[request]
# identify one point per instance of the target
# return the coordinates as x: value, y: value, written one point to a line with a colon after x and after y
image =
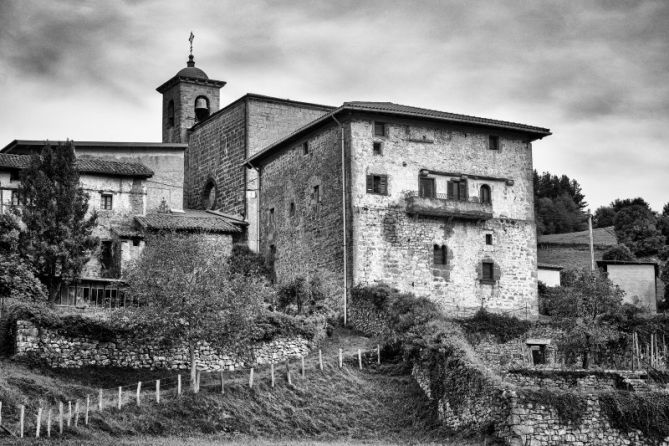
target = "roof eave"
x: 196, y: 80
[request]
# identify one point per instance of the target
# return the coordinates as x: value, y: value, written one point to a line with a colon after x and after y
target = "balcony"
x: 443, y: 207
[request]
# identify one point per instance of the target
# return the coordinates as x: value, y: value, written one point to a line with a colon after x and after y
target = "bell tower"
x: 189, y: 97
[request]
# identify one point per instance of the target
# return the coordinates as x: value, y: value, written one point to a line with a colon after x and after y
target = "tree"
x: 558, y: 203
x: 603, y: 217
x: 186, y: 294
x: 17, y: 278
x: 579, y: 307
x: 618, y: 204
x: 635, y: 226
x: 58, y: 237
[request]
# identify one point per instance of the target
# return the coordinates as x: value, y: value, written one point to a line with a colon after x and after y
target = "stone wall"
x: 365, y: 317
x: 216, y: 153
x: 57, y: 351
x: 301, y: 209
x: 514, y: 353
x: 394, y: 246
x: 523, y: 421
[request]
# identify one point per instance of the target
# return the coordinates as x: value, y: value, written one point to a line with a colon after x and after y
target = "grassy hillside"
x: 344, y: 406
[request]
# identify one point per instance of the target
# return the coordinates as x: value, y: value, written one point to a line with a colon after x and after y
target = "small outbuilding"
x: 549, y: 274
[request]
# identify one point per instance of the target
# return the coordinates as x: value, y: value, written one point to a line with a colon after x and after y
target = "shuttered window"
x: 493, y: 142
x: 377, y: 184
x: 379, y: 128
x: 485, y: 195
x: 426, y: 187
x: 457, y: 190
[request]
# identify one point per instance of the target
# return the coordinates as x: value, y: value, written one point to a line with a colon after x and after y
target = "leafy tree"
x: 619, y: 252
x: 635, y: 226
x: 187, y: 294
x: 248, y: 263
x: 618, y: 204
x: 17, y: 278
x: 603, y: 217
x: 58, y: 237
x: 559, y: 204
x: 580, y: 307
x: 665, y: 210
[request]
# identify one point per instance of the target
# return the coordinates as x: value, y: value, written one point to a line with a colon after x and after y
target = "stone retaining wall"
x: 529, y: 423
x: 368, y: 319
x: 57, y: 351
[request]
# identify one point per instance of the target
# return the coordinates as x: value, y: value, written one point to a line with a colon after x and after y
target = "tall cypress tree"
x: 58, y: 238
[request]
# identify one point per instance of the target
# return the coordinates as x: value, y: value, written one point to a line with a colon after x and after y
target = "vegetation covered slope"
x: 380, y: 403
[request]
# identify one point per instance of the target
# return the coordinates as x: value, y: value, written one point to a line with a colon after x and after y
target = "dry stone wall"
x: 57, y: 351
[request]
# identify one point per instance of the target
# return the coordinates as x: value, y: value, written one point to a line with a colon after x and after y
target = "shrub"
x: 272, y: 324
x: 308, y: 296
x: 619, y: 252
x: 628, y: 412
x: 503, y: 327
x: 247, y: 263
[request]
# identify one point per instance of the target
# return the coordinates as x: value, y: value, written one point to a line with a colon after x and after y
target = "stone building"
x: 166, y: 160
x: 220, y: 140
x: 429, y: 202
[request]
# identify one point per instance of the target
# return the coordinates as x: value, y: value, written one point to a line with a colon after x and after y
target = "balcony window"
x: 426, y: 188
x: 485, y: 194
x: 457, y: 190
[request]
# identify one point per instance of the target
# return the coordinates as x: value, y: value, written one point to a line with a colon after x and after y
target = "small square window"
x: 377, y: 148
x: 488, y: 239
x: 379, y: 128
x: 493, y: 142
x: 14, y: 175
x: 305, y: 147
x: 106, y: 202
x: 135, y: 242
x: 487, y: 269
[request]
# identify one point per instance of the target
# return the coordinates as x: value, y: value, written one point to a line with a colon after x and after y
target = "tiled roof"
x: 390, y: 108
x: 189, y: 220
x: 95, y: 166
x: 35, y: 146
x: 549, y: 266
x: 601, y: 237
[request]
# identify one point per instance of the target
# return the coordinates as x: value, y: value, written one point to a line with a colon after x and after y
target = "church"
x: 430, y: 202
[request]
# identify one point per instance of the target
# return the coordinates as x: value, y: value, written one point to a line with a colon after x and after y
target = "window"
x: 292, y: 209
x: 209, y: 194
x: 271, y: 261
x: 488, y: 239
x: 493, y: 142
x: 135, y: 242
x: 379, y: 128
x: 426, y: 187
x: 170, y: 114
x: 305, y: 148
x: 440, y: 256
x: 16, y: 198
x: 106, y: 202
x: 457, y: 190
x: 271, y: 216
x: 485, y: 194
x: 377, y: 148
x: 14, y: 175
x: 317, y: 194
x: 487, y: 272
x: 377, y: 184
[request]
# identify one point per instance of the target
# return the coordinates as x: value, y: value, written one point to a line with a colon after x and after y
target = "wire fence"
x: 58, y: 417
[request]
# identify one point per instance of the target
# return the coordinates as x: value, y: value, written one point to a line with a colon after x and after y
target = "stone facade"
x: 218, y: 147
x: 57, y: 351
x: 392, y: 246
x: 301, y: 208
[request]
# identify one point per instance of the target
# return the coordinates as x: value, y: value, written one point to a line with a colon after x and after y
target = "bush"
x: 247, y: 263
x: 271, y: 324
x: 628, y: 412
x: 308, y: 296
x: 619, y: 252
x: 503, y: 327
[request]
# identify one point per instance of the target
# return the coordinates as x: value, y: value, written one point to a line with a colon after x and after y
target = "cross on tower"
x: 190, y: 39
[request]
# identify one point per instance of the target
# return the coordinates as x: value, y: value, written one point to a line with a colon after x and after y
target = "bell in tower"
x: 189, y: 97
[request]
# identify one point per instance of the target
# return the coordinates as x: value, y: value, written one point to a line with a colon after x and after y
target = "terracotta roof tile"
x: 94, y: 166
x: 190, y: 220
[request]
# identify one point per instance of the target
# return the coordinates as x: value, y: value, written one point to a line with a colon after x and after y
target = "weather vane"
x: 190, y: 39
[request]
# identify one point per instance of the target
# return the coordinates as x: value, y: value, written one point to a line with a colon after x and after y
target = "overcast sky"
x: 595, y: 73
